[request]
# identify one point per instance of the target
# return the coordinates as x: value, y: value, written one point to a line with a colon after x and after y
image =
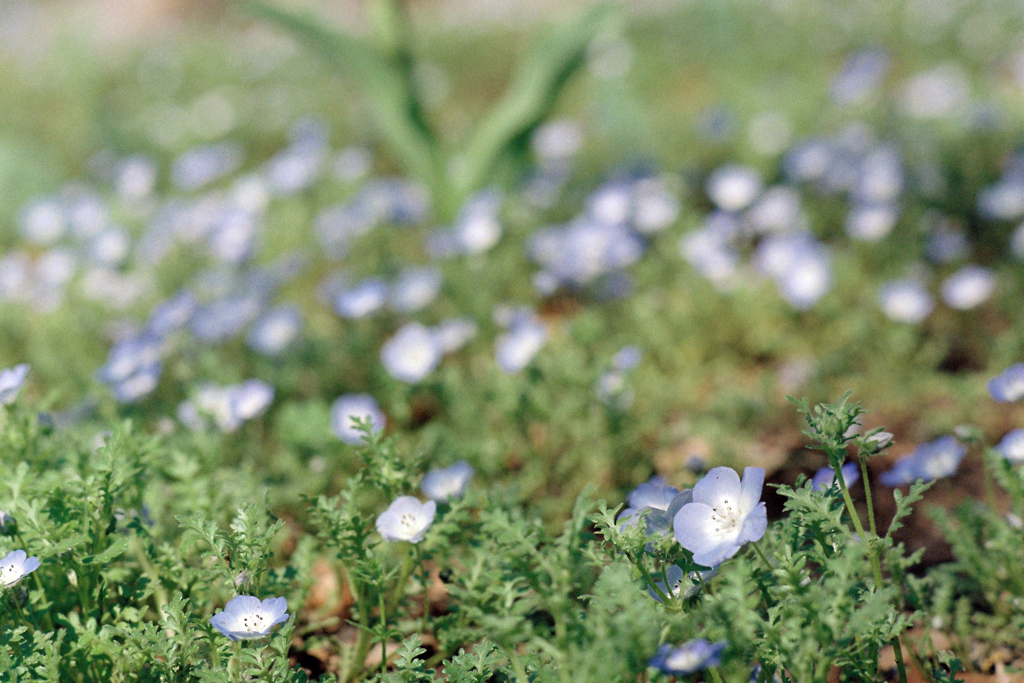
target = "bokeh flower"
x: 688, y: 658
x: 444, y: 483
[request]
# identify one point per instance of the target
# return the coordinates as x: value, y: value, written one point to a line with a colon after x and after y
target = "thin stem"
x: 425, y: 580
x: 650, y: 582
x: 384, y: 635
x: 760, y: 553
x: 867, y: 495
x: 715, y: 676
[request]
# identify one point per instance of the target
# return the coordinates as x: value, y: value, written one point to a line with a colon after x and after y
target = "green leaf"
x: 385, y: 81
x: 529, y: 99
x: 115, y: 550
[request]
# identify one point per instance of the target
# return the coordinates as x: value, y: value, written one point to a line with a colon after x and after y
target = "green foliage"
x: 383, y: 71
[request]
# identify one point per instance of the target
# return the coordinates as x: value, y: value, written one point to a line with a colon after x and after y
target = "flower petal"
x: 719, y: 485
x: 750, y: 489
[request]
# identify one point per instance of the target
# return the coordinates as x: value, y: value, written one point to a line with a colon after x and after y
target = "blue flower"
x: 825, y: 477
x: 680, y: 586
x: 414, y: 289
x: 406, y: 519
x: 11, y: 381
x: 660, y: 501
x: 352, y: 406
x: 275, y: 330
x: 733, y: 187
x: 688, y: 658
x: 445, y: 483
x: 250, y: 399
x: 933, y: 460
x: 171, y: 314
x: 1008, y: 386
x: 361, y: 300
x: 246, y: 618
x: 515, y: 349
x: 627, y: 358
x: 725, y: 515
x: 968, y: 287
x: 411, y: 354
x: 1012, y: 446
x: 905, y: 301
x: 15, y: 566
x: 452, y: 334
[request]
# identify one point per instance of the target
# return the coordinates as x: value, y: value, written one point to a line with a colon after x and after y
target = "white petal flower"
x: 725, y: 515
x: 406, y: 519
x: 246, y: 618
x: 16, y: 565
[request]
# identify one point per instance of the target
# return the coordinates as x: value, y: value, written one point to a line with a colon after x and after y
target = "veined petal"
x: 719, y: 486
x: 754, y: 525
x: 750, y: 489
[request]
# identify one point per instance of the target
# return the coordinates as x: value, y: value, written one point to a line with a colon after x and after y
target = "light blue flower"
x: 414, y: 289
x: 406, y: 519
x: 246, y: 618
x: 660, y: 501
x: 171, y: 314
x: 933, y: 460
x: 688, y: 658
x: 680, y: 586
x: 203, y: 165
x: 1008, y: 386
x: 351, y: 406
x: 443, y: 484
x: 411, y: 354
x: 1012, y: 446
x: 361, y: 300
x: 968, y: 287
x: 516, y: 348
x: 15, y: 566
x: 11, y: 381
x: 250, y: 399
x: 627, y: 358
x: 825, y: 477
x: 733, y: 187
x: 905, y: 301
x: 725, y: 515
x: 452, y: 334
x: 275, y: 330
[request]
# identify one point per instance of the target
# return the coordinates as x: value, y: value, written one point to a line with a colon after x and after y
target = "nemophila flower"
x: 936, y: 93
x: 247, y: 618
x: 968, y: 287
x: 688, y: 658
x: 139, y: 384
x: 171, y: 314
x: 478, y: 228
x: 1012, y: 446
x: 414, y: 289
x: 43, y: 222
x: 627, y: 358
x: 406, y: 519
x: 516, y: 348
x: 272, y: 333
x: 871, y: 222
x: 225, y: 317
x: 733, y: 187
x: 15, y: 566
x: 351, y: 406
x: 905, y: 301
x: 11, y: 381
x: 411, y: 354
x: 862, y: 73
x: 725, y: 515
x: 444, y: 483
x: 933, y: 460
x: 657, y: 503
x: 655, y: 206
x: 1003, y: 201
x: 826, y: 477
x: 203, y: 165
x: 452, y: 334
x: 679, y: 585
x: 250, y: 399
x: 946, y: 244
x: 361, y: 300
x: 1008, y: 386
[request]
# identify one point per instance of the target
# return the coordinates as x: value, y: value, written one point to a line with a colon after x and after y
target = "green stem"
x: 384, y: 635
x: 363, y: 643
x: 760, y: 553
x: 715, y: 676
x: 650, y: 582
x: 876, y: 564
x: 867, y: 496
x: 425, y: 580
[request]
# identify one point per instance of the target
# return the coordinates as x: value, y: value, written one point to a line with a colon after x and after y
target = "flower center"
x: 8, y: 573
x: 254, y: 623
x: 725, y: 517
x: 407, y: 521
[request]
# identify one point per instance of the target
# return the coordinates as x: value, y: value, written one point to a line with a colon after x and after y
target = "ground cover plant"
x: 625, y: 343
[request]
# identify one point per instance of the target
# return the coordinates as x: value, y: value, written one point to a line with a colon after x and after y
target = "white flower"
x: 444, y: 483
x: 15, y: 566
x: 11, y: 381
x: 406, y: 519
x: 246, y: 618
x: 725, y: 515
x: 351, y: 406
x: 411, y: 354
